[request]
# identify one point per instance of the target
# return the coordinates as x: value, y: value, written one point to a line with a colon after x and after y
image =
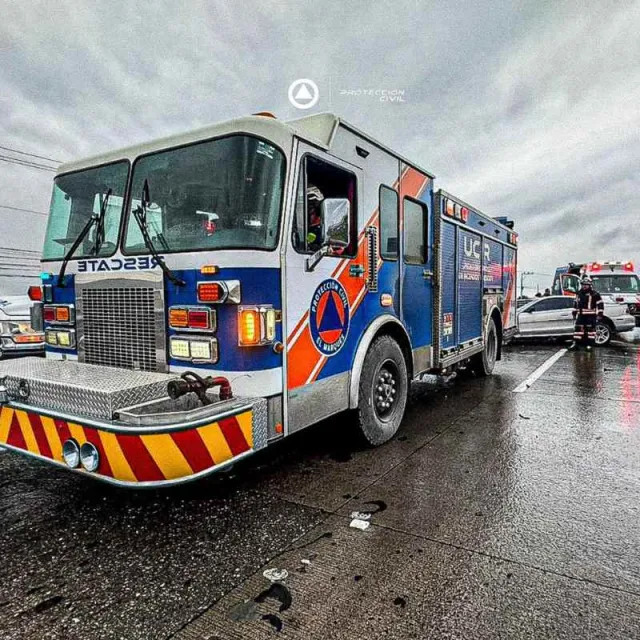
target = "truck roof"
x: 495, y: 221
x: 318, y: 129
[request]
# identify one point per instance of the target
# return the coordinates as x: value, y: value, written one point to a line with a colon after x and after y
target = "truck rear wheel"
x: 483, y: 363
x: 383, y: 391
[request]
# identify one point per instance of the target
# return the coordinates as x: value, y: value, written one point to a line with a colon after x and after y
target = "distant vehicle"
x: 551, y: 317
x: 16, y: 334
x: 616, y: 282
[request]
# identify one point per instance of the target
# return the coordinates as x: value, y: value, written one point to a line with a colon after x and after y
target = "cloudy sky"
x: 525, y: 108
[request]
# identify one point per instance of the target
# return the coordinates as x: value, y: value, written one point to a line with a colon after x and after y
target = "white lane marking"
x: 523, y: 386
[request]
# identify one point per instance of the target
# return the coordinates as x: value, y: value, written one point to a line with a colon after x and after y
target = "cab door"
x: 321, y: 295
x: 417, y: 265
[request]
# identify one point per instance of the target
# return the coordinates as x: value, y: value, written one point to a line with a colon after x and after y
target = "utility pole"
x: 522, y: 275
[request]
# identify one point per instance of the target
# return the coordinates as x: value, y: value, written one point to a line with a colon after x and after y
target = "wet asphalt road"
x: 494, y: 515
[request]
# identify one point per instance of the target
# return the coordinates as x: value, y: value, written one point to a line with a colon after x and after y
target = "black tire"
x: 604, y: 333
x: 483, y: 363
x: 383, y: 391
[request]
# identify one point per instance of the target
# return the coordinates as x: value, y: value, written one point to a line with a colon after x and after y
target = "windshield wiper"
x: 140, y: 214
x: 81, y: 236
x: 98, y: 220
x: 100, y: 224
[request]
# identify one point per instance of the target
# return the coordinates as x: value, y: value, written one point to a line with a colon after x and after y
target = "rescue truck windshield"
x: 220, y: 194
x: 76, y: 198
x: 616, y: 283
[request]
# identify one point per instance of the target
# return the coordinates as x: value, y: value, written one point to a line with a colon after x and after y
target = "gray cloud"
x: 527, y: 109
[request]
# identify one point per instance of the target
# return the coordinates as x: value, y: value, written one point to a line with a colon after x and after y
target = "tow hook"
x: 191, y: 382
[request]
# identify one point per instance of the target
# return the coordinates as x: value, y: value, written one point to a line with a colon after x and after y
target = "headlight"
x: 71, y: 453
x: 197, y: 349
x: 9, y: 327
x: 89, y: 457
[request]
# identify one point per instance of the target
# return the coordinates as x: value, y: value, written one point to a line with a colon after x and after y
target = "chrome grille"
x: 121, y: 322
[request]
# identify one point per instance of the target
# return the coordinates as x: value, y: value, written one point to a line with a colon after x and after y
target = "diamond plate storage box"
x: 81, y: 389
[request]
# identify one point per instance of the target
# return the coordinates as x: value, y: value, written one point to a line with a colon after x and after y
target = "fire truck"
x: 208, y: 294
x: 615, y: 281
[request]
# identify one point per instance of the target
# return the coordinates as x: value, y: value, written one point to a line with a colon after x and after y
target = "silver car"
x: 551, y: 317
x: 16, y: 335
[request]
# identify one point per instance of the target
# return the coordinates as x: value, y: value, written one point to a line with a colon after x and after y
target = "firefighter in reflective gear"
x: 588, y: 309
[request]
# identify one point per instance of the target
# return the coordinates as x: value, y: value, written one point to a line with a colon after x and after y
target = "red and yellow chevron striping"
x: 132, y: 457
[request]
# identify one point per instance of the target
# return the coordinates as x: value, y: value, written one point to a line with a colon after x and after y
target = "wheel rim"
x: 385, y: 389
x: 602, y: 334
x: 491, y: 348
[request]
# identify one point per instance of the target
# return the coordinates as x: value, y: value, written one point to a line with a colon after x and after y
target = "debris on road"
x: 275, y: 575
x: 356, y: 523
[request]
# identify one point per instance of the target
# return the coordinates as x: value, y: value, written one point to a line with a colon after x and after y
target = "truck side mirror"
x: 336, y: 222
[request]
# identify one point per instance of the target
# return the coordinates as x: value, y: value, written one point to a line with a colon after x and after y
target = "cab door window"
x: 319, y: 180
x: 388, y: 207
x: 415, y: 232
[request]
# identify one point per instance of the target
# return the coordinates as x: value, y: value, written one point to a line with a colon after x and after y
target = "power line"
x: 33, y: 155
x: 28, y: 255
x: 27, y: 163
x: 12, y: 275
x: 5, y: 262
x: 32, y: 251
x: 14, y: 271
x: 6, y: 206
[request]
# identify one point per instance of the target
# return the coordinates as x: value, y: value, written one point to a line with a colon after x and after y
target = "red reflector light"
x: 49, y: 314
x: 464, y: 212
x: 628, y: 266
x: 199, y: 319
x: 210, y: 292
x: 35, y: 293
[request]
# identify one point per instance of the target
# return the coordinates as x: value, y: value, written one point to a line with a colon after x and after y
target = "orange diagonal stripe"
x: 117, y: 461
x: 53, y: 439
x: 27, y: 432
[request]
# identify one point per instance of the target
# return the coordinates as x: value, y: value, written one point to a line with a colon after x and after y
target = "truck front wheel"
x: 383, y: 391
x: 484, y: 362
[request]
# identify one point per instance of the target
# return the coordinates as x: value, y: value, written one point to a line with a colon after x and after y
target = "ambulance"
x: 615, y: 281
x: 207, y: 294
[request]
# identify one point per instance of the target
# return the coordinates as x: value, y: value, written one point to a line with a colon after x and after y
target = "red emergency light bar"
x: 599, y: 266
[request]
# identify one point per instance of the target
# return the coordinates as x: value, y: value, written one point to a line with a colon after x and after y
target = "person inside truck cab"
x: 314, y: 217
